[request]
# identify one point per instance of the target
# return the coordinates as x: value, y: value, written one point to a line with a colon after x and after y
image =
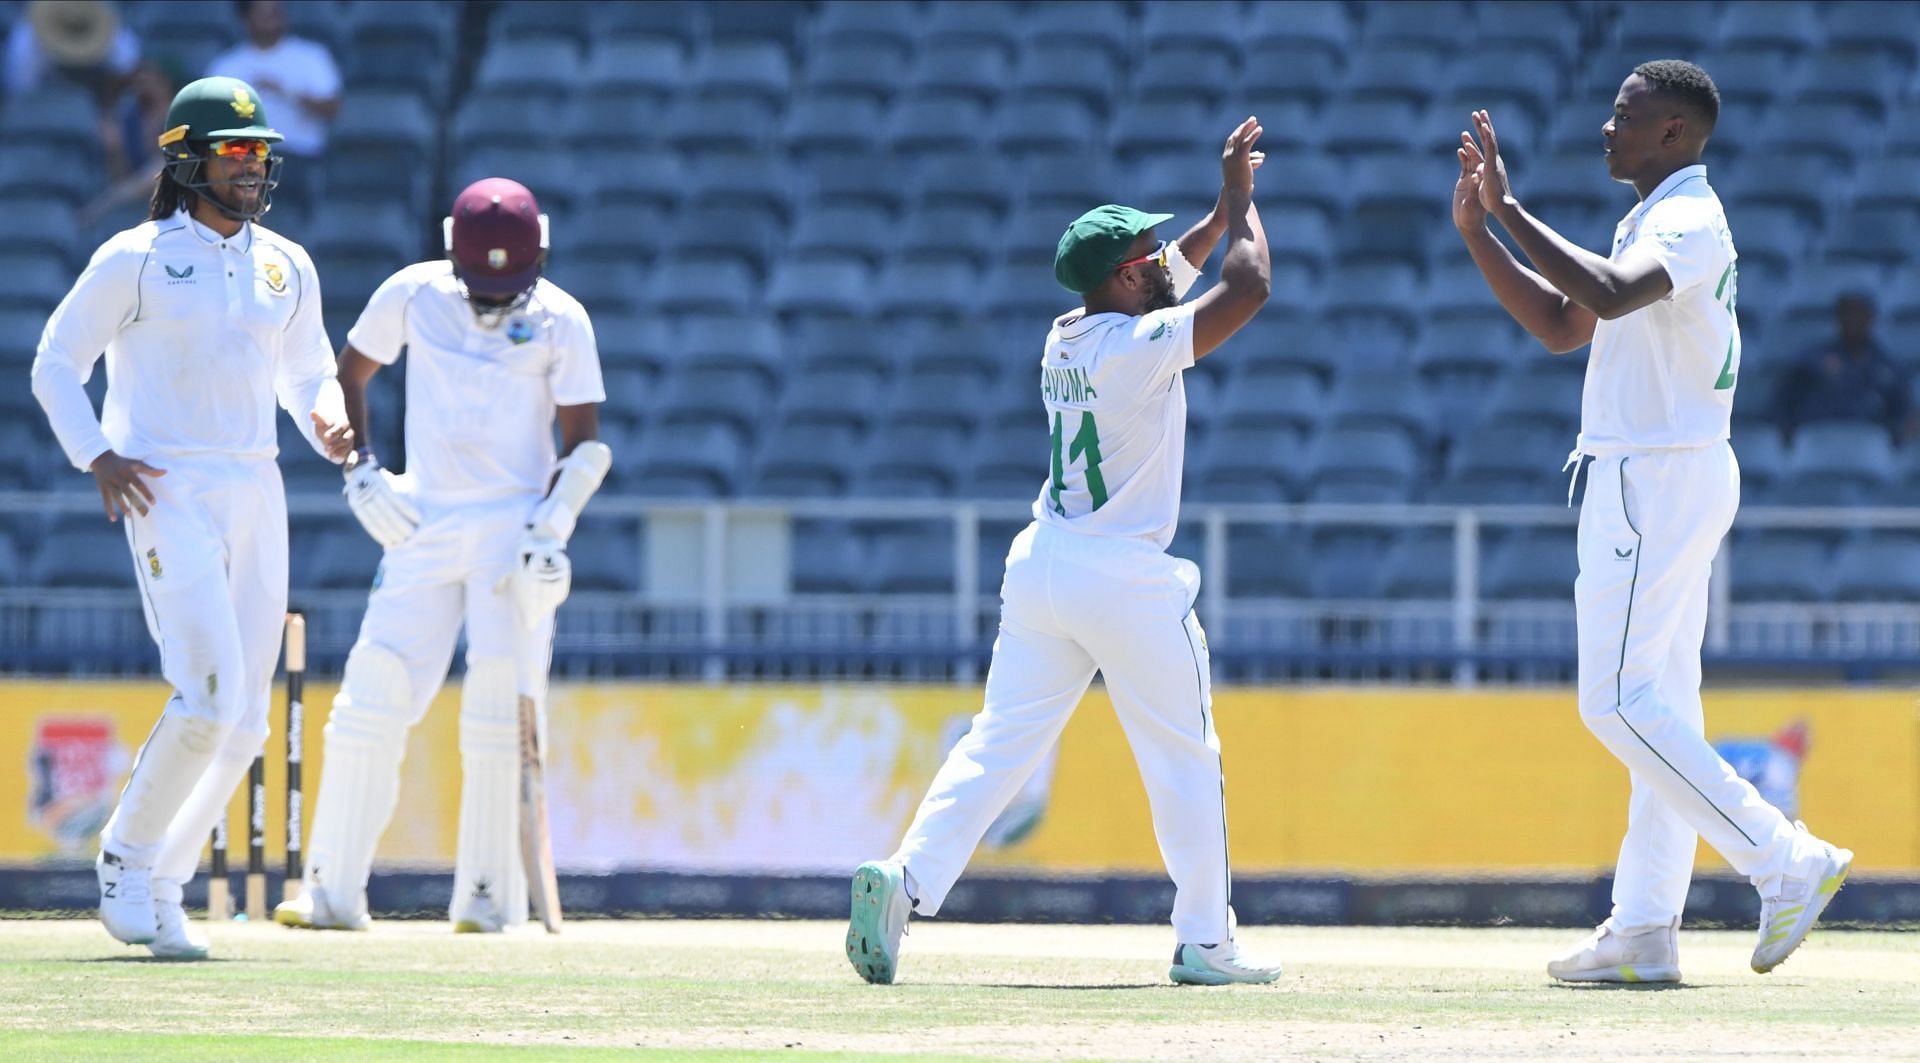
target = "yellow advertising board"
x: 791, y: 778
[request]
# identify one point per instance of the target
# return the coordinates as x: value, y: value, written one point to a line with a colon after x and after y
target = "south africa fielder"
x: 475, y: 530
x: 1090, y: 587
x: 1662, y: 487
x: 205, y: 318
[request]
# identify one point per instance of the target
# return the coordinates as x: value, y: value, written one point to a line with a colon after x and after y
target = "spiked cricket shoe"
x: 481, y: 917
x: 1645, y: 955
x: 176, y: 938
x: 1221, y: 964
x: 314, y: 910
x: 1788, y: 916
x: 880, y: 910
x: 126, y: 900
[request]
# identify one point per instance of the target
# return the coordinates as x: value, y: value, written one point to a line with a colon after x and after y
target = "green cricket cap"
x: 215, y: 109
x: 1096, y: 242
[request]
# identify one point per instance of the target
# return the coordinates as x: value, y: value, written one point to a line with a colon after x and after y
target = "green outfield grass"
x: 752, y: 990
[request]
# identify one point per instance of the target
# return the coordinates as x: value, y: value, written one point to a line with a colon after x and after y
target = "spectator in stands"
x: 297, y: 78
x: 76, y: 42
x: 129, y: 126
x: 1847, y: 378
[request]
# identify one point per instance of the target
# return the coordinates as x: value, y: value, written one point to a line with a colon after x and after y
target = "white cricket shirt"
x: 1117, y: 409
x: 201, y: 332
x: 1663, y: 376
x: 293, y: 66
x: 480, y: 401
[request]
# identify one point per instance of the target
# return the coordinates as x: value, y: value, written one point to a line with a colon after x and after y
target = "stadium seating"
x: 808, y: 232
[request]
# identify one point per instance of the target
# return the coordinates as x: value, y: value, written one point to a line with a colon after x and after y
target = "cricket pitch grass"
x: 721, y: 990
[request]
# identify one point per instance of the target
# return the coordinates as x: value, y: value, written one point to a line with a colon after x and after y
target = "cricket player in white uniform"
x: 1090, y: 587
x: 1662, y: 488
x: 206, y: 318
x: 475, y: 530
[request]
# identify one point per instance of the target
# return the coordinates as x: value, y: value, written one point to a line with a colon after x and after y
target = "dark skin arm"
x: 1246, y: 271
x: 1609, y: 289
x: 1559, y: 323
x: 353, y: 370
x: 577, y: 425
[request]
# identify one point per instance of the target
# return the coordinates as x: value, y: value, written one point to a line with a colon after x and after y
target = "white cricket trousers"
x: 1650, y: 525
x: 452, y: 569
x: 211, y: 559
x: 1071, y: 605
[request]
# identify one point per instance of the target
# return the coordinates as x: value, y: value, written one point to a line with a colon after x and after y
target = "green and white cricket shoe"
x: 1221, y: 964
x: 313, y: 909
x: 176, y: 939
x: 1788, y: 916
x: 880, y: 911
x: 1650, y: 954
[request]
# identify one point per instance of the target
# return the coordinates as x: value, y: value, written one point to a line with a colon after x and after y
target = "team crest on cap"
x: 243, y: 104
x: 276, y: 278
x: 497, y: 258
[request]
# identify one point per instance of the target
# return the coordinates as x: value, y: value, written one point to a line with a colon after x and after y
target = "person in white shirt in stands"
x: 1662, y: 488
x: 206, y: 318
x: 297, y: 78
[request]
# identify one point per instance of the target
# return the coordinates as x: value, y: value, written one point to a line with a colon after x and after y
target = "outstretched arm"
x: 1559, y: 323
x: 1609, y: 289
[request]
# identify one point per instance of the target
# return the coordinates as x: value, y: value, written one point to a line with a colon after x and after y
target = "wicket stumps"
x: 219, y: 896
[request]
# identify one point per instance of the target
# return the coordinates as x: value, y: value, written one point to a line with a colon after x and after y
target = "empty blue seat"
x: 1248, y: 463
x: 725, y: 341
x: 744, y: 235
x: 1480, y: 345
x: 757, y: 68
x: 806, y: 459
x: 820, y: 283
x: 606, y: 556
x: 912, y: 560
x: 1684, y: 30
x: 907, y: 459
x: 1086, y: 72
x: 861, y: 23
x: 1780, y: 567
x: 1382, y: 456
x: 756, y: 21
x: 1789, y: 27
x: 1162, y: 125
x: 56, y: 112
x: 1381, y: 124
x: 1839, y: 461
x: 1391, y: 400
x: 332, y: 555
x: 1541, y: 563
x: 83, y: 552
x: 1545, y: 398
x: 830, y: 392
x: 1297, y: 71
x: 1884, y: 567
x: 1867, y: 81
x: 1060, y: 125
x: 975, y: 69
x: 1399, y: 72
x: 831, y: 121
x: 827, y: 558
x: 737, y: 395
x: 1274, y: 396
x: 1326, y: 24
x: 936, y: 124
x: 648, y: 69
x: 692, y: 458
x: 864, y: 230
x: 1420, y: 566
x: 1268, y: 562
x: 544, y: 68
x: 1504, y: 463
x: 1863, y: 25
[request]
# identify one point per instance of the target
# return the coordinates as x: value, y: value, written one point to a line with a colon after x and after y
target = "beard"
x: 1160, y: 296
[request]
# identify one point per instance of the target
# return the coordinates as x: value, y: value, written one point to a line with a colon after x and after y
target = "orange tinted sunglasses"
x: 240, y: 149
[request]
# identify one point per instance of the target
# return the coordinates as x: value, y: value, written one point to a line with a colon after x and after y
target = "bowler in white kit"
x: 1089, y: 586
x: 206, y: 319
x: 475, y: 531
x: 1662, y: 488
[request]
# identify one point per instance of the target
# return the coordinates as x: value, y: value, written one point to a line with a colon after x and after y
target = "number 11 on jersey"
x: 1086, y: 441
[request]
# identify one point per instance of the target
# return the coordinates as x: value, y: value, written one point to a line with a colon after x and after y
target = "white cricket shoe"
x: 1221, y: 964
x: 177, y: 939
x: 879, y: 919
x: 480, y: 917
x: 314, y: 910
x: 126, y: 900
x: 1788, y: 915
x: 1651, y: 954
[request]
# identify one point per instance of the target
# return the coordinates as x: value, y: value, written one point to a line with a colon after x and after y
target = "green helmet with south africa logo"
x: 210, y: 112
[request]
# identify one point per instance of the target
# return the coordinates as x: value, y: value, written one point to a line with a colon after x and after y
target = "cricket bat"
x: 536, y: 843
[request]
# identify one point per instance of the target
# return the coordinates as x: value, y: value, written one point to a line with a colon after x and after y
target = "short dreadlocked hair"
x: 1685, y: 83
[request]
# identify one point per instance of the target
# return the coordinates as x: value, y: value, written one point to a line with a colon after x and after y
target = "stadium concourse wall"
x: 1354, y: 804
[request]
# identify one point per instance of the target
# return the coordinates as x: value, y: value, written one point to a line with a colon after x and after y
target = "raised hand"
x: 1238, y: 160
x: 1468, y: 212
x: 1495, y: 191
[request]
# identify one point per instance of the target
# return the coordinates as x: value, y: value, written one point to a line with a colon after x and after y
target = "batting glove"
x: 380, y: 508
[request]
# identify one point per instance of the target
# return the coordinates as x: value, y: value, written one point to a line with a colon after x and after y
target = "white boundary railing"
x: 698, y: 617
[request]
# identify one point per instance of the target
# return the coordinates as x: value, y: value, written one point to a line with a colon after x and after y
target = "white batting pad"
x: 488, y: 862
x: 366, y: 736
